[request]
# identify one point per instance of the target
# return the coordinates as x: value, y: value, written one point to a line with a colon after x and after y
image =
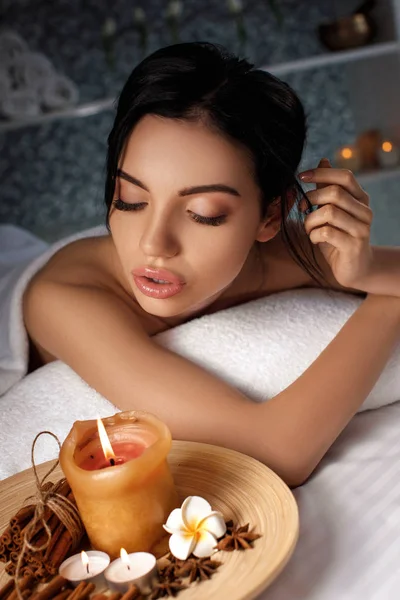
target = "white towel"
x: 59, y: 92
x: 260, y: 347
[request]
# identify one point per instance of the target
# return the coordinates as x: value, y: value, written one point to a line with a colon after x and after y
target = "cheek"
x: 124, y: 235
x: 223, y: 253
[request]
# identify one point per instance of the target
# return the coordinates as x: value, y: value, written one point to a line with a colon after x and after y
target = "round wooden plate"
x: 239, y: 486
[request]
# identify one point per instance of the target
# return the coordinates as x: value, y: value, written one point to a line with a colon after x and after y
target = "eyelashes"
x: 132, y: 207
x: 125, y: 206
x: 214, y: 221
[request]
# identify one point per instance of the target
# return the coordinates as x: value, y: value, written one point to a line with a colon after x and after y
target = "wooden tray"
x: 242, y: 488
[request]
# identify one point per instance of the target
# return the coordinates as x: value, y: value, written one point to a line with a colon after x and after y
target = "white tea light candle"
x: 348, y: 157
x: 388, y: 155
x: 86, y: 566
x: 137, y: 568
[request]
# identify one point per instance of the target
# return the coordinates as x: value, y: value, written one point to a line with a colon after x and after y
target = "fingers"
x: 323, y: 164
x: 330, y: 176
x: 339, y: 239
x: 332, y: 199
x: 333, y: 216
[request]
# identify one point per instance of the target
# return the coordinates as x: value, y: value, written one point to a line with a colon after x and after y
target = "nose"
x: 158, y: 238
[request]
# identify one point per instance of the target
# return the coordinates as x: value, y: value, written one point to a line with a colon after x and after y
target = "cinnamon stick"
x: 60, y: 551
x: 82, y: 591
x: 27, y: 583
x: 62, y: 595
x: 10, y: 569
x: 55, y: 586
x: 23, y: 516
x: 6, y: 536
x: 114, y: 596
x: 7, y: 589
x: 4, y: 555
x: 42, y: 575
x: 25, y: 570
x: 55, y: 536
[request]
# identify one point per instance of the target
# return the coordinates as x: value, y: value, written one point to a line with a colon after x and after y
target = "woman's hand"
x: 341, y: 225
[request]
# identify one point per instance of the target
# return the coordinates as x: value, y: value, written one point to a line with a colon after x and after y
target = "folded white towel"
x: 20, y: 104
x: 11, y: 45
x: 260, y: 347
x: 31, y: 71
x: 59, y: 92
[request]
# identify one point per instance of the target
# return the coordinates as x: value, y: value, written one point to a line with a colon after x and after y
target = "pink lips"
x: 144, y: 276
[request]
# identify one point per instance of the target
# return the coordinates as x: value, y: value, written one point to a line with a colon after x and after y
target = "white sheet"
x: 349, y: 545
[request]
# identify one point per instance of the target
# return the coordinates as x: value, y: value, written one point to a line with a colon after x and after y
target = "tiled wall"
x: 52, y: 175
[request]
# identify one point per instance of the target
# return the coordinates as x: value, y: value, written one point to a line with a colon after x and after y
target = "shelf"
x: 333, y: 58
x: 98, y: 106
x: 378, y: 175
x: 81, y: 110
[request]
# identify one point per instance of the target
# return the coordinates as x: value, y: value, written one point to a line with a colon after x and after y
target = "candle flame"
x: 387, y: 146
x: 125, y: 557
x: 85, y: 558
x: 105, y: 442
x: 347, y: 152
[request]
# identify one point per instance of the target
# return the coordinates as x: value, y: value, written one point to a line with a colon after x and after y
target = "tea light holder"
x: 86, y: 566
x: 388, y: 155
x: 348, y: 157
x: 137, y: 568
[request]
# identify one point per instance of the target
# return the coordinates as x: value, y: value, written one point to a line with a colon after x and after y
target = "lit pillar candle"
x: 388, y: 155
x: 120, y: 479
x: 348, y: 157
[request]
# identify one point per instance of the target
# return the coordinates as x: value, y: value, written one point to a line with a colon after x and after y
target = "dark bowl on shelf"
x: 347, y: 32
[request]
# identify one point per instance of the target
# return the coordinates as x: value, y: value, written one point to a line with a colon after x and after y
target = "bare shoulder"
x: 80, y: 284
x: 88, y: 261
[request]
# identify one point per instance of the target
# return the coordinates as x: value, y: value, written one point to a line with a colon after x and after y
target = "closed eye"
x: 214, y: 221
x: 126, y: 206
x: 135, y: 206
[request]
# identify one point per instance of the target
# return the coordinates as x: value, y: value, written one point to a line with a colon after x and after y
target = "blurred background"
x: 63, y: 62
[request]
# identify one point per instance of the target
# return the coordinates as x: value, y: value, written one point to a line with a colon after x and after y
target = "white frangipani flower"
x: 195, y: 528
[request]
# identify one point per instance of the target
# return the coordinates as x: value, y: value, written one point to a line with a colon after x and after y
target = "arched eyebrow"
x: 197, y: 189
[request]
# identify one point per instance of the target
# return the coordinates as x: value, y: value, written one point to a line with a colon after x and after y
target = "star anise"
x: 168, y: 571
x: 198, y: 569
x: 166, y: 589
x: 229, y: 526
x: 239, y: 538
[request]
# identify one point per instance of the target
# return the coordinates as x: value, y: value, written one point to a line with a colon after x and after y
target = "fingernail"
x: 306, y: 175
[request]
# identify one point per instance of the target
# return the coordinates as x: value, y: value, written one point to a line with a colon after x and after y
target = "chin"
x: 172, y: 307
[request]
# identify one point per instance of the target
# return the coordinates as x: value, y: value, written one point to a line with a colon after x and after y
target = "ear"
x: 270, y: 226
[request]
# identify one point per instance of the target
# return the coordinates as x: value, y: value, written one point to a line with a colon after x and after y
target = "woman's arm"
x: 97, y: 334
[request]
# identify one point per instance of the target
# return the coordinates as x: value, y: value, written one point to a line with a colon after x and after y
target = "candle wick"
x: 87, y: 568
x: 129, y: 568
x: 112, y: 462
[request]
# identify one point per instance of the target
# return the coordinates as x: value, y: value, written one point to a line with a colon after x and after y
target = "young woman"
x: 201, y: 177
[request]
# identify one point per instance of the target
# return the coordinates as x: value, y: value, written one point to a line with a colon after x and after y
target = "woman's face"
x: 185, y: 215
